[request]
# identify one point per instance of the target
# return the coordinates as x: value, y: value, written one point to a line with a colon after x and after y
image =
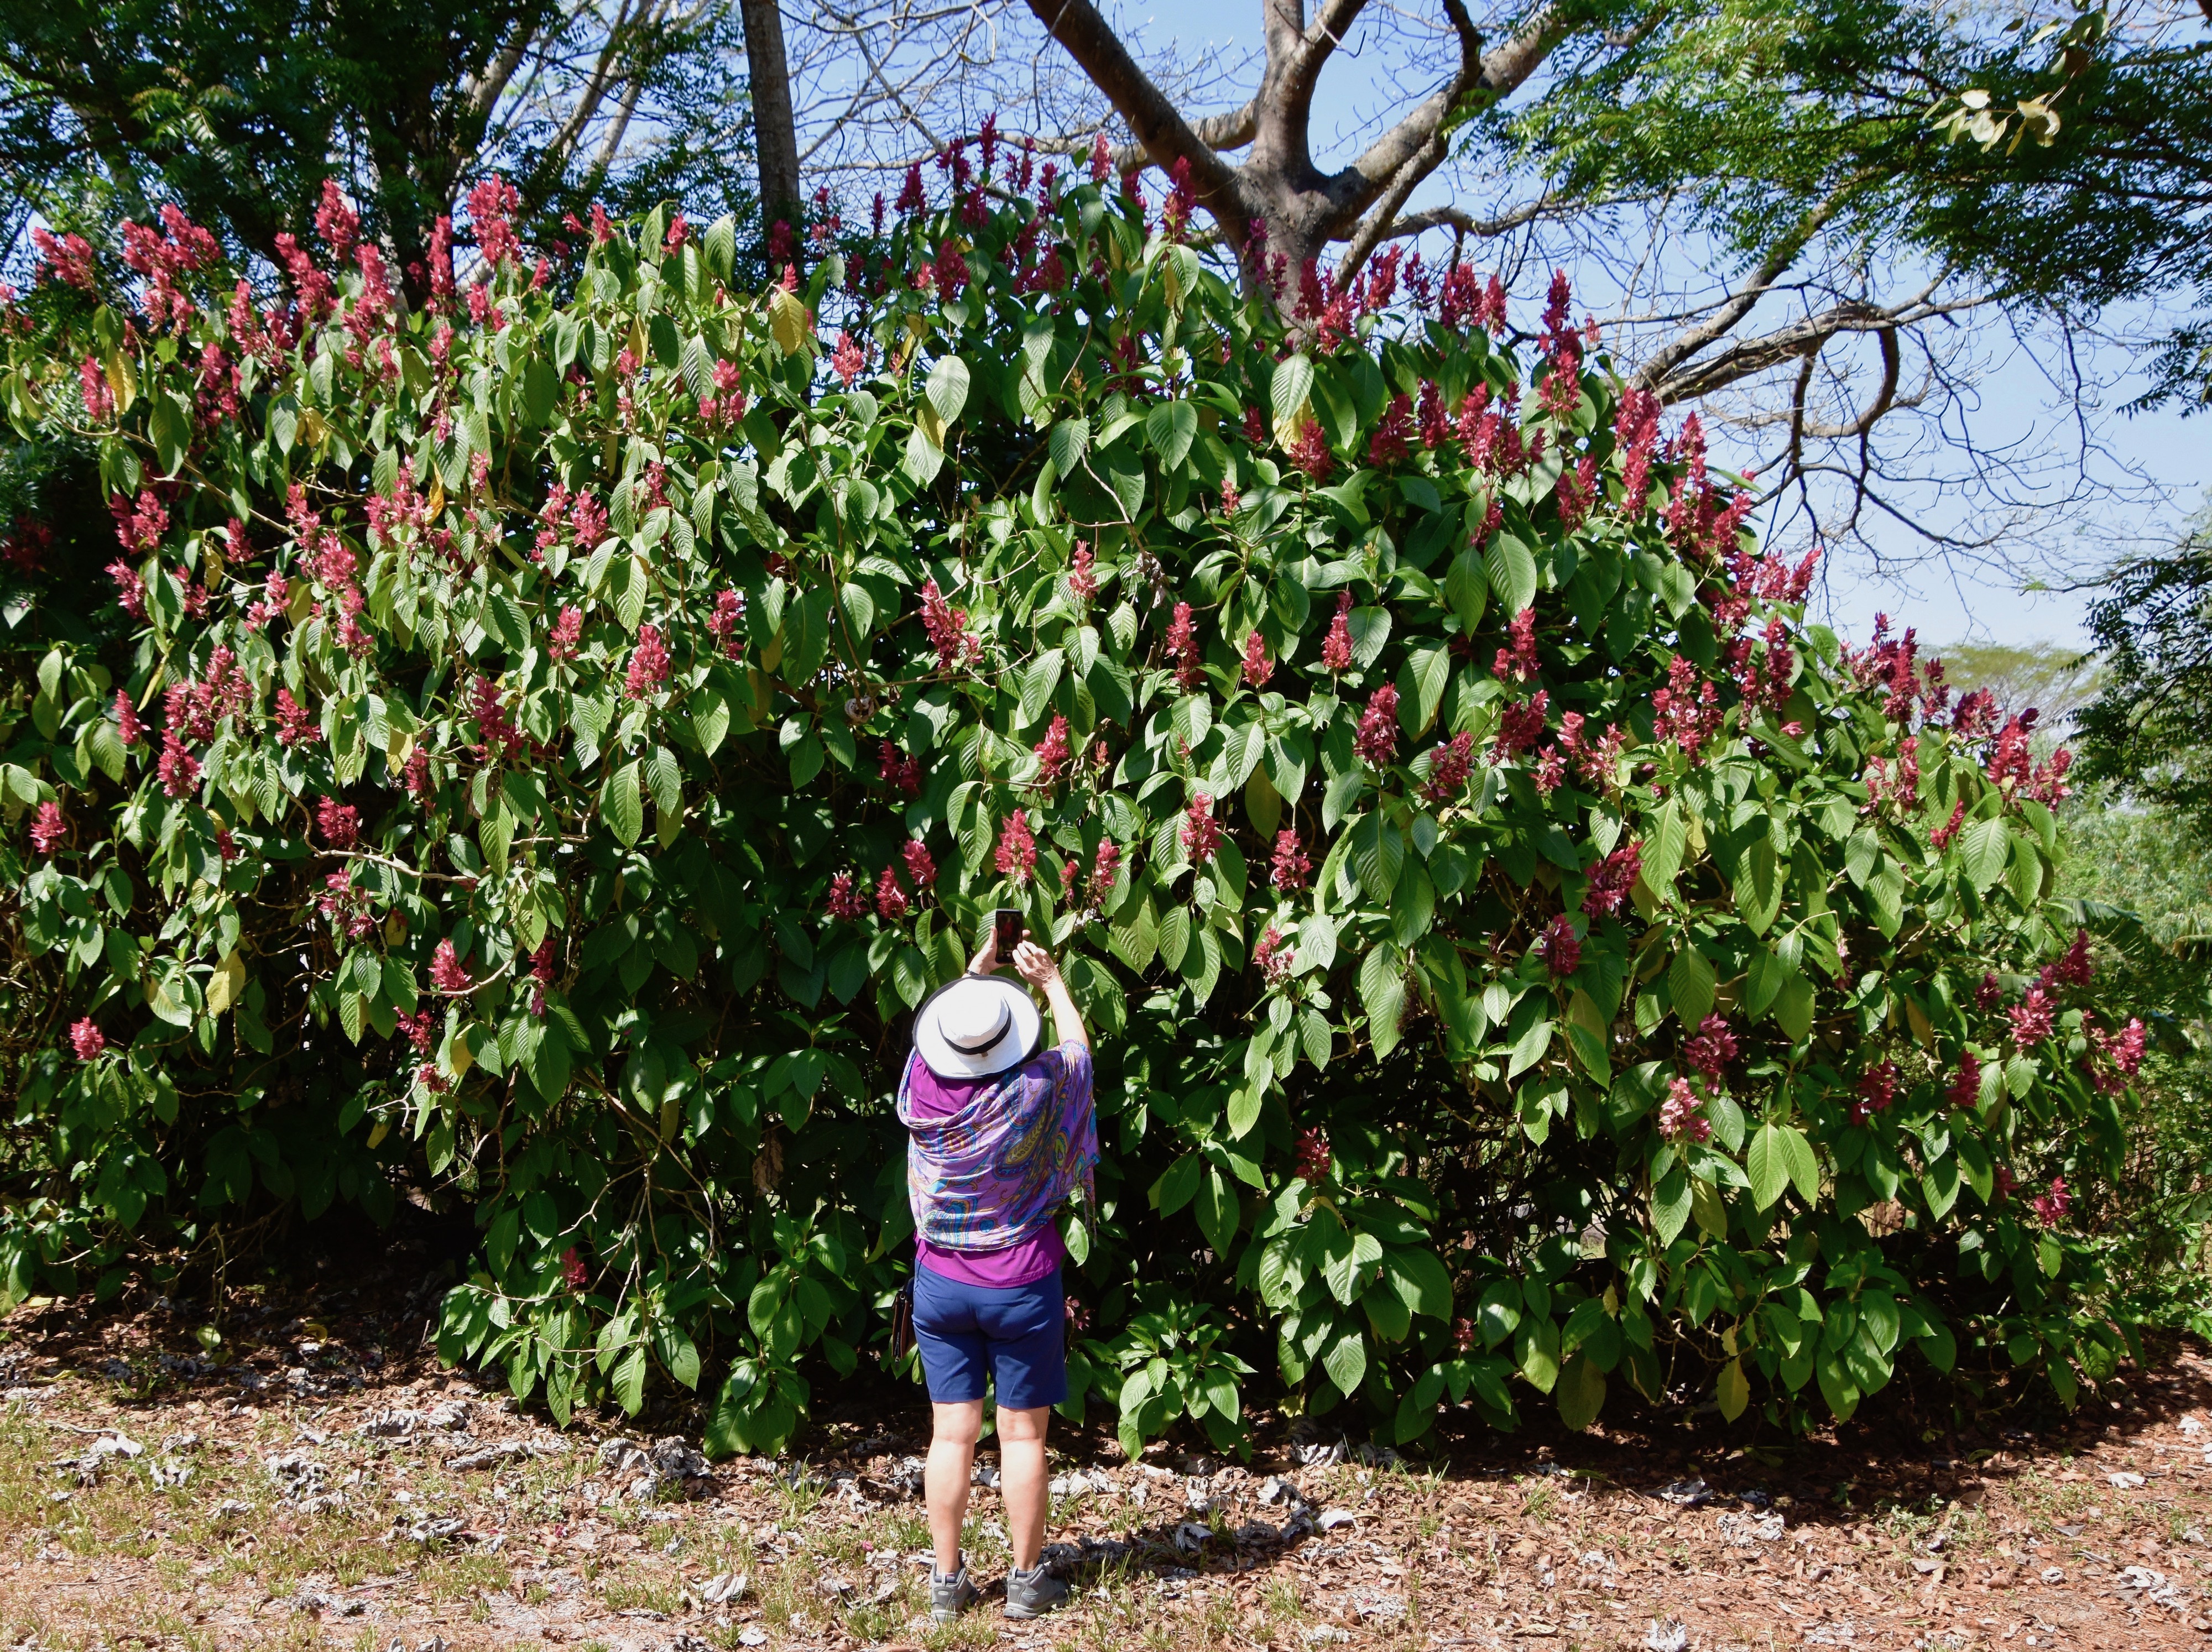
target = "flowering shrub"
x: 536, y: 749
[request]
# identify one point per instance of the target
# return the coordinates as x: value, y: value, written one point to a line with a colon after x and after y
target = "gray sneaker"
x: 1032, y: 1593
x: 949, y: 1596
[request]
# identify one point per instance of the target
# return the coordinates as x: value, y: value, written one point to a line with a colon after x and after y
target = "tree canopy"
x: 239, y: 114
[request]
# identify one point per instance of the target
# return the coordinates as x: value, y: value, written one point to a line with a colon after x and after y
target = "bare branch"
x: 1884, y: 399
x: 1458, y: 219
x: 1292, y: 92
x: 1163, y: 132
x: 1663, y: 361
x: 1230, y: 131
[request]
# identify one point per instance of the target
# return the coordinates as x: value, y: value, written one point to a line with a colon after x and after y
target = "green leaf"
x: 1982, y: 849
x: 1512, y: 570
x: 1466, y: 588
x: 1690, y: 981
x: 1216, y: 1211
x: 1069, y: 441
x: 1421, y: 682
x: 1663, y: 850
x: 1170, y: 427
x: 1378, y: 855
x: 1420, y: 1281
x: 1346, y: 1363
x: 947, y: 389
x: 1793, y: 1007
x: 1289, y: 392
x: 1383, y: 991
x: 1732, y: 1390
x: 1177, y: 1185
x: 1768, y: 1162
x: 622, y: 806
x: 629, y: 1382
x: 1580, y: 1392
x: 1804, y: 1165
x: 170, y: 425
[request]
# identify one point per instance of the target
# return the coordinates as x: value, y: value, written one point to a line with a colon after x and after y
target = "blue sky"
x: 2016, y: 404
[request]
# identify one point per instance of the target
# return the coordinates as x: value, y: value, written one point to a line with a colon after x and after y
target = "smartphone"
x: 1006, y: 926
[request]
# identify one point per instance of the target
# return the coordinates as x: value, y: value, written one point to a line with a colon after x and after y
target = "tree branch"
x: 1456, y: 218
x: 1232, y: 130
x: 1883, y: 400
x: 1159, y: 129
x: 1293, y: 92
x: 1663, y: 361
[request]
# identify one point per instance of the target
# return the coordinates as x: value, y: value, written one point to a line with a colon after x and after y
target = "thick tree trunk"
x: 775, y: 135
x: 1304, y: 209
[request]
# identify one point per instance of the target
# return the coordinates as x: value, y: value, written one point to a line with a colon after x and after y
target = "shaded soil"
x: 314, y: 1479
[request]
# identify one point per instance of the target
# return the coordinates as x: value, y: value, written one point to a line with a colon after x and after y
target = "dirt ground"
x: 314, y: 1480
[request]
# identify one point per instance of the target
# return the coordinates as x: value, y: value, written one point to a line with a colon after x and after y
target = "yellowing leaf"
x: 790, y: 323
x: 226, y: 983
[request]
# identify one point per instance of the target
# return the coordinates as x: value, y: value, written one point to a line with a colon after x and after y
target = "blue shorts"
x: 1014, y: 1336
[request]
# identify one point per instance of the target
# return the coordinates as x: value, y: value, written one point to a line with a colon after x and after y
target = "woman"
x: 998, y: 1139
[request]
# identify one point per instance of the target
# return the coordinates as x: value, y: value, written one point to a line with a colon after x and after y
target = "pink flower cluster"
x: 1336, y: 647
x: 1900, y: 783
x: 1680, y: 1119
x: 1290, y: 869
x: 648, y: 665
x: 895, y: 770
x: 1516, y: 661
x: 48, y: 829
x: 1016, y: 854
x: 162, y: 257
x: 1520, y: 726
x: 919, y: 865
x: 1182, y: 646
x: 849, y: 902
x: 1711, y: 1047
x: 1702, y: 525
x: 728, y: 403
x: 2012, y: 767
x: 1636, y: 429
x: 1314, y: 1161
x: 947, y: 628
x: 2051, y: 1207
x: 1257, y: 667
x: 891, y: 902
x: 1052, y: 752
x: 2033, y: 1018
x: 344, y: 907
x: 339, y: 824
x: 295, y: 724
x: 448, y: 973
x: 1450, y: 765
x: 1611, y: 878
x: 1877, y: 1091
x: 1559, y: 947
x: 1686, y: 711
x: 1201, y: 832
x: 1376, y: 740
x: 1274, y: 958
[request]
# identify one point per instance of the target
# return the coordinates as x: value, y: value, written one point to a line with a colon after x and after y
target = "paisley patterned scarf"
x: 994, y: 1173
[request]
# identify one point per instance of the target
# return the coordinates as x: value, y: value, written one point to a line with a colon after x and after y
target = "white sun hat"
x: 976, y: 1026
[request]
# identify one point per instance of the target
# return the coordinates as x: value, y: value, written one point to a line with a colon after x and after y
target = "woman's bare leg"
x: 1022, y: 1480
x: 945, y: 1479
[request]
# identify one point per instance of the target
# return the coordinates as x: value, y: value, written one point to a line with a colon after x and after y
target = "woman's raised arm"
x: 1038, y: 967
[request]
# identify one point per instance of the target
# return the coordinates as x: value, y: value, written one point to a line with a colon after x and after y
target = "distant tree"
x: 2150, y: 729
x: 240, y: 112
x: 2055, y: 679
